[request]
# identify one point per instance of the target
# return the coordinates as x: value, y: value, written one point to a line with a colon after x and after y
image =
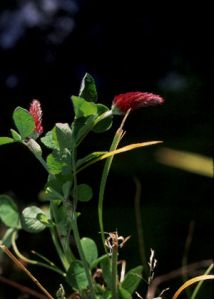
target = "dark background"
x: 46, y: 46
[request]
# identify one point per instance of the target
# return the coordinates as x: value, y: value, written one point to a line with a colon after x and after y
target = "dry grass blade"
x: 190, y: 282
x: 129, y: 148
x: 22, y: 267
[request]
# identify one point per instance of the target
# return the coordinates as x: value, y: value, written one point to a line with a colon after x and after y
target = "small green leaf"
x: 90, y: 249
x: 51, y: 194
x: 64, y: 135
x: 6, y: 140
x: 15, y: 135
x: 49, y: 141
x: 107, y: 271
x: 9, y: 212
x: 83, y: 108
x: 59, y: 162
x: 88, y: 89
x: 66, y: 188
x: 124, y: 294
x: 104, y: 124
x: 54, y: 163
x: 23, y: 121
x: 84, y: 192
x: 132, y: 279
x: 44, y: 220
x: 29, y: 220
x: 76, y: 276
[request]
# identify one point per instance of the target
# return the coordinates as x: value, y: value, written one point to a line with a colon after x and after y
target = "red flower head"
x: 36, y: 112
x: 123, y: 102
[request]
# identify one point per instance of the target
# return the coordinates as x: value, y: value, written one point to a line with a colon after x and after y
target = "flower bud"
x: 36, y: 112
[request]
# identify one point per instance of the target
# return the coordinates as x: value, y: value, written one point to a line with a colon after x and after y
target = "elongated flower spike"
x: 36, y: 112
x: 133, y: 100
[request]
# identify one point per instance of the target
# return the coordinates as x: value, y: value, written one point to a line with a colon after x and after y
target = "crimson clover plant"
x: 63, y: 192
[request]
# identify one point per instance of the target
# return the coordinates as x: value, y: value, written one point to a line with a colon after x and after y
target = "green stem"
x: 52, y: 267
x: 139, y: 225
x: 82, y: 257
x: 198, y: 286
x: 117, y: 138
x: 75, y: 227
x: 35, y: 153
x: 65, y: 257
x: 114, y: 272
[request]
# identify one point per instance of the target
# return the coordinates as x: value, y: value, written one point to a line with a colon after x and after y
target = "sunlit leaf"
x: 23, y: 121
x: 63, y: 135
x: 90, y: 249
x: 15, y: 135
x: 9, y: 214
x: 29, y: 220
x: 49, y: 141
x: 83, y: 108
x: 6, y: 140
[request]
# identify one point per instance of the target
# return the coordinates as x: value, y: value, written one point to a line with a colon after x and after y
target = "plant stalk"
x: 117, y: 138
x: 76, y: 230
x: 114, y: 272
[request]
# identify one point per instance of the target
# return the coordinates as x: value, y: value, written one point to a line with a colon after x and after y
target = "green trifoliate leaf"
x: 6, y: 140
x: 29, y: 220
x: 24, y: 122
x: 9, y: 214
x: 88, y: 89
x: 84, y: 192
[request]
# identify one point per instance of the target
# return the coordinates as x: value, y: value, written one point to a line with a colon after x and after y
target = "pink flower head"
x: 36, y: 112
x: 123, y: 102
